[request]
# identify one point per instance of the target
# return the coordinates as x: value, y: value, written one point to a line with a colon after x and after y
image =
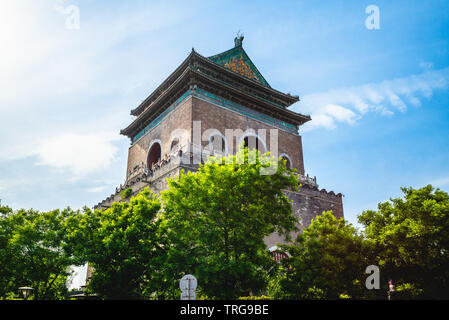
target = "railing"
x: 306, y: 179
x: 189, y: 154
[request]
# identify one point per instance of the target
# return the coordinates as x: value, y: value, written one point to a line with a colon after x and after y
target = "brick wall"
x: 213, y: 116
x: 308, y: 202
x: 180, y: 118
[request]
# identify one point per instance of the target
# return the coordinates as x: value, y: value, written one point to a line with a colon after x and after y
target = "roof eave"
x: 132, y: 127
x: 289, y: 98
x: 137, y: 111
x: 129, y: 130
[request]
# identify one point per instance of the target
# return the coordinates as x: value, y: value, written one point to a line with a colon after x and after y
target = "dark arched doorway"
x: 252, y: 142
x: 154, y: 154
x: 287, y: 162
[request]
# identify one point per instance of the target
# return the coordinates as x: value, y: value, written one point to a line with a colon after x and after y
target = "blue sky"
x: 378, y: 98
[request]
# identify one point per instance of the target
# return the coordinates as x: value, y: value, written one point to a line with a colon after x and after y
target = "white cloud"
x: 80, y: 154
x: 350, y: 104
x: 340, y: 113
x: 56, y: 83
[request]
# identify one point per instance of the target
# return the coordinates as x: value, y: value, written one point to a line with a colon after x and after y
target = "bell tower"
x: 210, y: 105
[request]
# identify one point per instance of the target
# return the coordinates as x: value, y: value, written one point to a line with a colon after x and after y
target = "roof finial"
x: 238, y: 40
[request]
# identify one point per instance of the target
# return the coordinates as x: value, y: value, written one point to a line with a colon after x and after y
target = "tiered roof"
x: 231, y: 75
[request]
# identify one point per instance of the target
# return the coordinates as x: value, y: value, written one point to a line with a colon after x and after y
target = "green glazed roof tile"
x: 238, y: 61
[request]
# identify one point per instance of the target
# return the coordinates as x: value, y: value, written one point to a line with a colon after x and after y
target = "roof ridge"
x: 227, y: 59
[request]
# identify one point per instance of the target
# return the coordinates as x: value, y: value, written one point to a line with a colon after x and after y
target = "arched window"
x: 174, y: 144
x: 154, y: 154
x: 288, y: 161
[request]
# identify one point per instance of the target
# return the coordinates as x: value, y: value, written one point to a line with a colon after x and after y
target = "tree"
x: 217, y: 218
x: 30, y: 253
x: 122, y: 244
x: 410, y: 236
x: 326, y: 261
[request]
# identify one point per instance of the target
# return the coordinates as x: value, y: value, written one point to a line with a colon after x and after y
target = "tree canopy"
x: 213, y: 223
x: 327, y: 260
x: 123, y: 244
x: 410, y: 236
x: 31, y: 253
x: 217, y: 219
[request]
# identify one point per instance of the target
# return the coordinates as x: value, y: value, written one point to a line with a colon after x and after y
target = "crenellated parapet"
x: 308, y: 202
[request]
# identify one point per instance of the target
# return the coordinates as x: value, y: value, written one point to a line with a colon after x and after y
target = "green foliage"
x: 410, y: 238
x: 213, y: 225
x: 327, y: 261
x: 274, y: 288
x: 30, y: 253
x: 125, y: 194
x: 217, y: 218
x: 122, y: 244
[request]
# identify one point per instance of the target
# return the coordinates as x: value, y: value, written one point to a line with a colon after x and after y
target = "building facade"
x: 209, y: 106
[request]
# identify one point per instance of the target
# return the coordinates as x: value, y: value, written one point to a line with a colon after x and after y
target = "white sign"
x: 188, y: 285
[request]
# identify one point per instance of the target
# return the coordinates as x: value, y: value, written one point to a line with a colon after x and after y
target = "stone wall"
x: 309, y: 202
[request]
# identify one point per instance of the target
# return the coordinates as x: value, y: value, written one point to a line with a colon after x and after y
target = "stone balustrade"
x: 308, y: 180
x: 186, y: 156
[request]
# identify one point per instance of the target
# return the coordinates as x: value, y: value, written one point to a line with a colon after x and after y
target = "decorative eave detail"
x: 267, y: 106
x: 192, y: 76
x: 164, y: 85
x: 172, y: 92
x: 284, y: 99
x: 237, y: 60
x: 196, y: 60
x: 221, y: 80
